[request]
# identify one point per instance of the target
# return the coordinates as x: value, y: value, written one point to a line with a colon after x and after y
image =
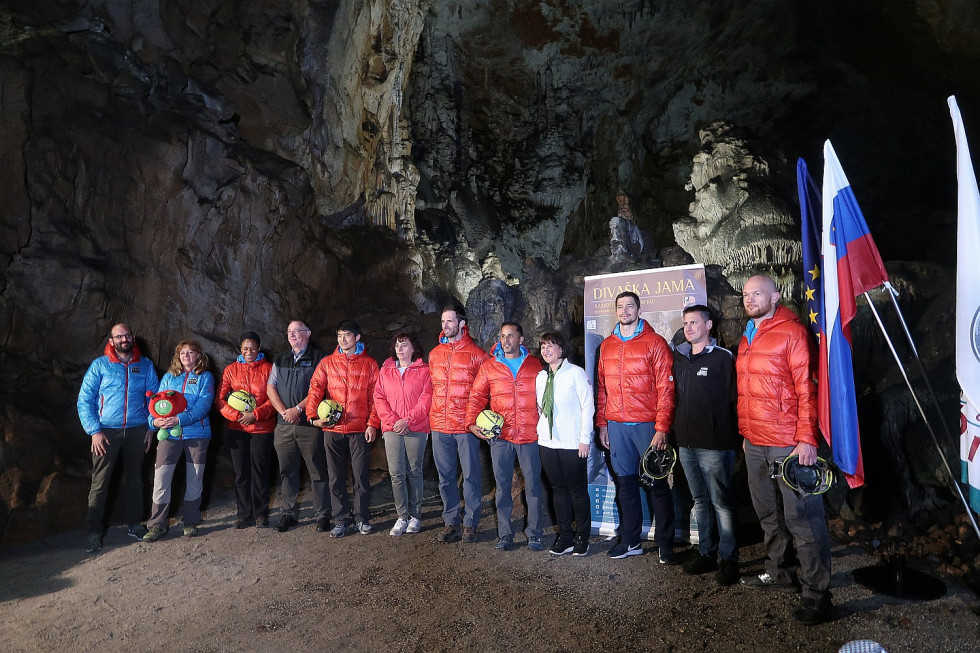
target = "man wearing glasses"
x: 113, y: 410
x: 294, y: 437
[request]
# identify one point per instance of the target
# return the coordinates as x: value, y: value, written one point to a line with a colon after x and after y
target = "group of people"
x: 695, y: 395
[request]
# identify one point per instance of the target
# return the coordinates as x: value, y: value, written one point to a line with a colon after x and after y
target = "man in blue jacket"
x: 113, y: 411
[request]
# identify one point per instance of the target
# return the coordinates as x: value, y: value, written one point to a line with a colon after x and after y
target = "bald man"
x: 777, y: 414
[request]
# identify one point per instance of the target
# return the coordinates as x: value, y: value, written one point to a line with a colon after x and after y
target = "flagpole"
x: 915, y: 397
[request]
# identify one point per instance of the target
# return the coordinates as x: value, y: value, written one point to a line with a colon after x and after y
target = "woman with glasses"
x: 565, y: 411
x: 250, y: 430
x: 189, y: 375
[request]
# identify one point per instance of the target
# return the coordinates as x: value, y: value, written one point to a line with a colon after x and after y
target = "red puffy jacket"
x: 514, y: 399
x: 252, y: 378
x: 777, y: 401
x: 348, y: 380
x: 453, y: 366
x: 405, y: 395
x: 636, y: 379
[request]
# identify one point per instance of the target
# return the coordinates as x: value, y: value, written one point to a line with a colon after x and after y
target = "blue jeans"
x: 709, y: 475
x: 503, y: 455
x: 627, y: 443
x: 445, y: 447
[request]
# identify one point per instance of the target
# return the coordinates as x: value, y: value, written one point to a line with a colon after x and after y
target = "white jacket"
x: 574, y: 408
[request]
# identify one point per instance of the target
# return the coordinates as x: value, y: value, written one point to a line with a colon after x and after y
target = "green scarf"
x: 548, y: 400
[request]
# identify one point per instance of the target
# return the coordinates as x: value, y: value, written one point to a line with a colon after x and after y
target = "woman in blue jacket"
x: 189, y: 375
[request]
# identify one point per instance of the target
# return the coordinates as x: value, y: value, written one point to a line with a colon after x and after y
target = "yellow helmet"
x: 329, y: 411
x: 242, y: 401
x: 490, y: 423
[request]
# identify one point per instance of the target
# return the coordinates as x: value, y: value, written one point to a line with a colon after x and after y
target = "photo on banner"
x: 664, y: 294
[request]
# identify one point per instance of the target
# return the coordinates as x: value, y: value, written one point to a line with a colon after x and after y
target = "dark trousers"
x: 129, y: 443
x: 568, y: 475
x: 341, y: 448
x: 293, y: 443
x: 251, y: 455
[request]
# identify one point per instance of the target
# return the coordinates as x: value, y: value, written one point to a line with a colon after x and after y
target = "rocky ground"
x: 230, y: 590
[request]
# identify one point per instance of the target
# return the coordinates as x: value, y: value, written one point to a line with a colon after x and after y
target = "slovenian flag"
x: 967, y: 308
x: 847, y: 242
x: 810, y: 219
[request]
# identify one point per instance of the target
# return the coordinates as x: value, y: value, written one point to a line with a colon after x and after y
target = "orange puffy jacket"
x: 636, y: 379
x: 252, y: 378
x: 453, y: 366
x: 514, y: 399
x: 348, y: 380
x: 777, y: 402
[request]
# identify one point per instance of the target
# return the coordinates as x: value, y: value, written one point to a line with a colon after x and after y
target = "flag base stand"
x: 893, y: 579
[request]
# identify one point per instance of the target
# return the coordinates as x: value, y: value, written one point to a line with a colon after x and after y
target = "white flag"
x: 967, y: 271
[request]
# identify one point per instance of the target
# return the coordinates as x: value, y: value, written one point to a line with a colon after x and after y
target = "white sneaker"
x: 364, y: 528
x: 399, y: 527
x: 414, y: 525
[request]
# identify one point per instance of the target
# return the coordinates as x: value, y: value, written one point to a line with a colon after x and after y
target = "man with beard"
x: 453, y: 365
x: 777, y: 410
x: 112, y: 407
x: 635, y: 409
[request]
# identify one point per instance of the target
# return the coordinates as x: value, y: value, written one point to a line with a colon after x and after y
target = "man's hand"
x: 604, y: 436
x: 659, y: 441
x: 807, y: 453
x: 401, y: 427
x: 292, y: 415
x: 246, y: 419
x: 148, y: 439
x: 583, y: 450
x: 370, y: 434
x: 475, y: 430
x: 319, y: 423
x: 100, y: 444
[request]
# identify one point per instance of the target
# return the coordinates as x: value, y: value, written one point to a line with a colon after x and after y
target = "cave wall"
x: 199, y: 168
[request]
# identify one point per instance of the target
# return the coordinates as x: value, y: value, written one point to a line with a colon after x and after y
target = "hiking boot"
x: 364, y: 528
x: 624, y: 550
x: 154, y: 534
x: 534, y: 543
x: 414, y: 525
x: 286, y: 522
x: 137, y: 531
x: 339, y: 530
x: 727, y: 573
x: 93, y: 543
x: 399, y: 528
x: 262, y: 522
x: 581, y: 547
x: 700, y: 565
x: 667, y: 556
x: 504, y: 543
x: 190, y: 531
x: 469, y: 534
x: 811, y: 612
x: 242, y: 523
x: 322, y: 525
x: 448, y: 534
x: 766, y: 582
x: 563, y: 544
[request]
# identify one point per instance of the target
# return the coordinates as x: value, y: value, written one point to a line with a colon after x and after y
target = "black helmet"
x: 805, y: 479
x: 657, y: 464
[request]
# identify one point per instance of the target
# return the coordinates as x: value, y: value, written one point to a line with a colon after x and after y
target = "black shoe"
x: 581, y: 547
x: 563, y: 544
x: 624, y: 550
x: 727, y: 573
x: 322, y: 525
x: 285, y: 523
x: 262, y: 522
x: 504, y: 543
x: 766, y: 582
x: 242, y: 522
x: 700, y: 565
x: 811, y: 612
x: 137, y: 531
x: 667, y: 556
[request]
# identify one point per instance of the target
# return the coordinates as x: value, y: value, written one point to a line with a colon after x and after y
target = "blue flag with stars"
x: 810, y: 215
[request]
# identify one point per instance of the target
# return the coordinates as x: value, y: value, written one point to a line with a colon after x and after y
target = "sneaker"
x: 623, y: 550
x: 286, y: 522
x: 811, y: 612
x: 448, y: 534
x: 766, y: 582
x: 399, y: 528
x: 137, y: 531
x: 262, y: 522
x: 154, y: 534
x: 469, y: 534
x: 322, y: 525
x: 727, y: 573
x: 667, y: 556
x: 562, y: 546
x: 534, y: 544
x: 243, y: 523
x: 190, y: 531
x: 504, y: 543
x: 93, y: 543
x: 339, y: 530
x: 700, y: 565
x: 581, y: 547
x: 414, y: 525
x: 364, y: 528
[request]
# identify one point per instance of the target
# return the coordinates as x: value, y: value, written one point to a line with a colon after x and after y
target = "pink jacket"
x: 404, y: 396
